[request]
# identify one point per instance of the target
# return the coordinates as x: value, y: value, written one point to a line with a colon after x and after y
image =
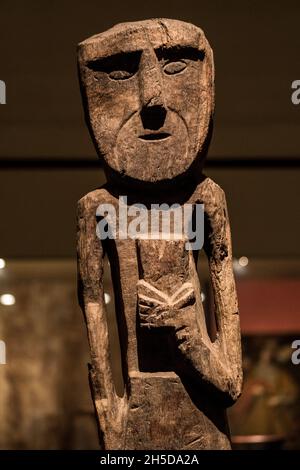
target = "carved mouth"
x: 155, y: 136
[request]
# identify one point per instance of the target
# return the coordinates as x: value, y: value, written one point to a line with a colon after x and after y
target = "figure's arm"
x: 109, y: 406
x: 219, y: 252
x: 218, y: 364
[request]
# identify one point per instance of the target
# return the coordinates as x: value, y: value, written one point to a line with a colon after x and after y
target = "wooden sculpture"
x: 148, y: 93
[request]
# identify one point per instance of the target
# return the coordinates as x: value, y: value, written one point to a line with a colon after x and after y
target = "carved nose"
x: 153, y: 111
x: 153, y: 117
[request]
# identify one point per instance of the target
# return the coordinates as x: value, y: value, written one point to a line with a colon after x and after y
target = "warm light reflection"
x: 107, y: 298
x: 243, y: 261
x: 7, y: 299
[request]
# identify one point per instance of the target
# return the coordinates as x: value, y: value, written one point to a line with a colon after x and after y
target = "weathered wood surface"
x: 148, y: 91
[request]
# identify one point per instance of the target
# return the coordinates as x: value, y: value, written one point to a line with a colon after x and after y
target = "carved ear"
x: 210, y: 75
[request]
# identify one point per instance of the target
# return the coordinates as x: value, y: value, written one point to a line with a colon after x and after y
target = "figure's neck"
x: 178, y: 190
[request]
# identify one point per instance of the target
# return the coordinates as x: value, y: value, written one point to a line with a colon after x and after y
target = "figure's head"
x: 148, y: 88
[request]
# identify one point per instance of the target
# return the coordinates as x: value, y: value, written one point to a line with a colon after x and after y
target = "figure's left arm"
x: 218, y: 249
x: 217, y: 364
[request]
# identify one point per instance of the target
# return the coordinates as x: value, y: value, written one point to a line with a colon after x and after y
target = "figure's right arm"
x: 91, y: 299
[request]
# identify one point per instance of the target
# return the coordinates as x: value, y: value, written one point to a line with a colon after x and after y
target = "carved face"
x: 148, y: 91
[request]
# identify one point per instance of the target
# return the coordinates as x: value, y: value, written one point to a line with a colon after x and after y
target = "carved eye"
x: 121, y: 66
x: 171, y: 68
x: 120, y: 74
x: 176, y: 59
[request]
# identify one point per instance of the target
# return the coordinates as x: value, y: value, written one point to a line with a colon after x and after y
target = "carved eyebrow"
x: 122, y: 61
x: 180, y: 52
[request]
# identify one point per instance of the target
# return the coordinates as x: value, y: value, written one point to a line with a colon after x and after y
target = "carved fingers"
x: 157, y: 309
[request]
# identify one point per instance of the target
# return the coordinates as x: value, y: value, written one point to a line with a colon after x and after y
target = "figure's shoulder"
x: 93, y: 199
x: 208, y: 189
x: 209, y: 185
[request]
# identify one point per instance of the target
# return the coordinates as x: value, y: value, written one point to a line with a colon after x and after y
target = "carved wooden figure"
x: 148, y: 92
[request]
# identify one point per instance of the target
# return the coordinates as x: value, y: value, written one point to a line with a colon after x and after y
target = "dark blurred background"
x: 47, y: 162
